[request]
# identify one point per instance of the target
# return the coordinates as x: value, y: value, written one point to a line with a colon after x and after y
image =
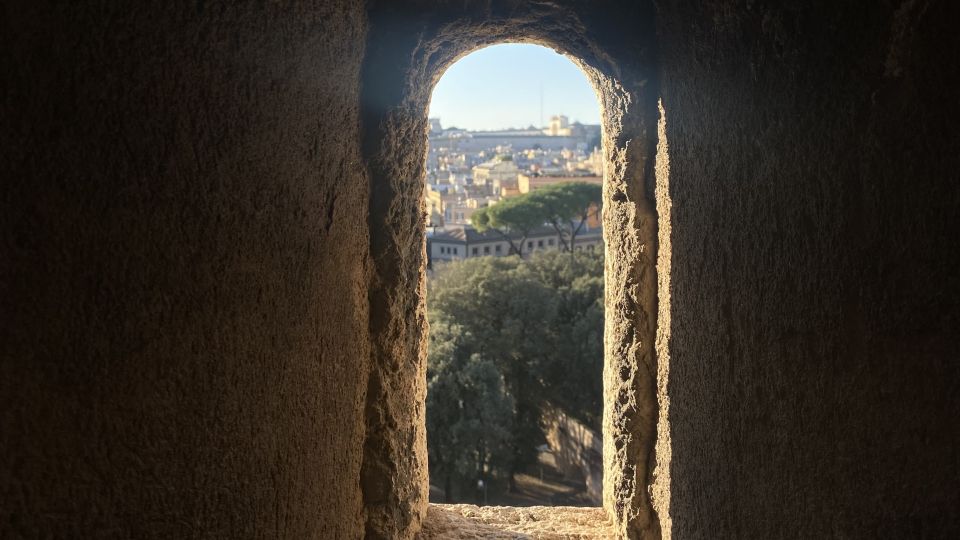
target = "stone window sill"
x: 458, y: 521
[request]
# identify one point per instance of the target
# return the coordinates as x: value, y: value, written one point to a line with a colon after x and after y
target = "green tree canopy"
x: 498, y: 308
x: 566, y: 207
x: 573, y: 376
x: 469, y: 415
x: 513, y: 218
x: 536, y: 326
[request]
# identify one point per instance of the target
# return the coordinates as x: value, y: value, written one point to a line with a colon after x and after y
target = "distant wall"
x: 517, y: 142
x: 183, y: 278
x: 577, y: 451
x: 813, y: 347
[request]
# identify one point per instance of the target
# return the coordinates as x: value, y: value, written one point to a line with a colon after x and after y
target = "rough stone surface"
x: 660, y: 489
x: 466, y: 521
x: 813, y: 349
x: 211, y: 263
x: 411, y: 44
x: 183, y: 270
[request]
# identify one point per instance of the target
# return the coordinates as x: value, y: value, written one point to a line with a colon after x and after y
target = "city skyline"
x: 503, y: 86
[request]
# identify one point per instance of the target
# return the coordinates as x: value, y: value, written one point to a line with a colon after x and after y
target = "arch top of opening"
x: 411, y: 45
x: 510, y: 81
x: 612, y: 81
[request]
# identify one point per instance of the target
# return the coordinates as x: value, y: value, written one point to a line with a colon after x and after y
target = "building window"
x: 474, y: 251
x: 497, y: 248
x: 539, y: 243
x: 550, y: 241
x: 486, y: 250
x: 530, y: 244
x: 456, y: 251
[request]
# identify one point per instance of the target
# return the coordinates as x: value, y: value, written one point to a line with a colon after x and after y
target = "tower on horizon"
x: 559, y: 126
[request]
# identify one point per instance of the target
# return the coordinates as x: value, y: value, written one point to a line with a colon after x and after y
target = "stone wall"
x: 211, y: 263
x: 183, y: 277
x: 577, y: 451
x: 813, y: 329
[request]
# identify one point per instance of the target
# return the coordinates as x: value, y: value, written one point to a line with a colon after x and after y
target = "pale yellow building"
x: 433, y: 206
x: 559, y: 126
x: 499, y: 171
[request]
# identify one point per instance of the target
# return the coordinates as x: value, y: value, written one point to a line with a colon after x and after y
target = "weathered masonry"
x: 211, y: 263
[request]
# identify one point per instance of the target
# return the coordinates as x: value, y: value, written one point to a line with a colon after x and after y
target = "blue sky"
x: 499, y: 87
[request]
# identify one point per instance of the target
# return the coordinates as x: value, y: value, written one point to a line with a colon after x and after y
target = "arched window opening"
x: 513, y: 195
x: 401, y: 70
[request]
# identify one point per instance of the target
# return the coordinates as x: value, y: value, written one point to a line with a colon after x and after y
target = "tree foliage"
x: 468, y: 416
x: 513, y: 218
x: 566, y: 207
x: 508, y: 337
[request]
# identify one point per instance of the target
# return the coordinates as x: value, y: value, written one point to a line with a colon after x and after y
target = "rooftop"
x: 465, y: 234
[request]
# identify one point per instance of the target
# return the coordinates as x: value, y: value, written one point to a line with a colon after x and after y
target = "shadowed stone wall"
x: 813, y: 169
x: 183, y: 270
x: 211, y: 252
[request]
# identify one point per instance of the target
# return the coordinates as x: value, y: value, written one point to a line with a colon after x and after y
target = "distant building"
x: 434, y: 205
x: 518, y: 140
x: 459, y: 210
x: 507, y: 191
x: 464, y: 242
x: 495, y: 173
x: 592, y: 163
x: 559, y: 127
x: 469, y: 170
